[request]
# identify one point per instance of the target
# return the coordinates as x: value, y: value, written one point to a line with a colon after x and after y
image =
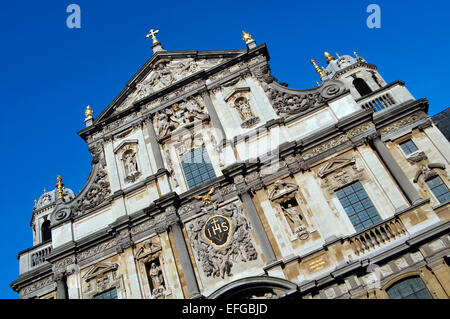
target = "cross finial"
x: 246, y: 37
x: 152, y: 34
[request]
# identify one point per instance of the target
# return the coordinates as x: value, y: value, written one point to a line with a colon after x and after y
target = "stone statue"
x: 130, y: 165
x: 298, y: 227
x: 156, y: 276
x: 243, y: 108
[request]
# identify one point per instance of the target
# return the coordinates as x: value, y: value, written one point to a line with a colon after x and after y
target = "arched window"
x: 409, y: 288
x: 46, y: 232
x: 361, y: 86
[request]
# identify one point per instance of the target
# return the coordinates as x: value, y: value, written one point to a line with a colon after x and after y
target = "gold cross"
x: 152, y: 34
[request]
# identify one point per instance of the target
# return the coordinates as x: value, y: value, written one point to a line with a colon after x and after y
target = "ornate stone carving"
x: 97, y: 192
x: 403, y: 122
x: 188, y: 143
x: 338, y: 172
x: 171, y: 168
x: 179, y: 115
x: 218, y: 262
x: 324, y: 147
x: 142, y: 227
x: 36, y: 286
x: 280, y: 189
x: 428, y: 171
x: 97, y: 249
x: 335, y: 164
x: 100, y: 277
x: 416, y: 157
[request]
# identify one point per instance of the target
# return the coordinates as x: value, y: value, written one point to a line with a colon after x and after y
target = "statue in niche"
x: 156, y: 280
x: 243, y: 108
x: 131, y: 169
x: 292, y: 214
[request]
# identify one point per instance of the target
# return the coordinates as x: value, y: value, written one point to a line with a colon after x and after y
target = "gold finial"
x: 329, y: 57
x: 356, y: 55
x: 337, y: 54
x: 318, y: 84
x: 206, y: 199
x: 89, y: 112
x: 152, y: 34
x: 246, y: 36
x: 316, y: 67
x: 60, y: 186
x: 44, y: 191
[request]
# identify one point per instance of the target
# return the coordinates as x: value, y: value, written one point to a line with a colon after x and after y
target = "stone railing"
x: 379, y: 102
x: 34, y: 257
x: 377, y: 236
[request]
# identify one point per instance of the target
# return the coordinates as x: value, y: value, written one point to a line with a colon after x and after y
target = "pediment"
x: 163, y: 70
x: 148, y: 249
x: 99, y: 269
x: 335, y: 164
x: 281, y: 188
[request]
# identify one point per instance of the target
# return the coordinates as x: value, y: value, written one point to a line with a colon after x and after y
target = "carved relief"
x: 428, y: 171
x: 171, y: 169
x: 338, y: 172
x: 99, y: 278
x: 36, y: 286
x: 324, y: 147
x: 218, y: 262
x: 416, y: 157
x: 403, y: 122
x: 97, y: 249
x: 100, y: 189
x: 280, y: 189
x: 179, y: 115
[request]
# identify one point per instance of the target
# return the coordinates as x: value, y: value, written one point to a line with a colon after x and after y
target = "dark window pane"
x: 358, y: 206
x: 109, y: 294
x: 410, y: 288
x: 197, y: 167
x: 439, y: 189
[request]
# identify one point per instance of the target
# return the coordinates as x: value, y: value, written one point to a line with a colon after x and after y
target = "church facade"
x: 211, y: 179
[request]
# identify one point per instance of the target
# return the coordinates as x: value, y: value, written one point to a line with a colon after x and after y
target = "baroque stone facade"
x: 211, y: 179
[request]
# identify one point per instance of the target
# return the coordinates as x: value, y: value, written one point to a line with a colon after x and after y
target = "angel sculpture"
x: 206, y: 199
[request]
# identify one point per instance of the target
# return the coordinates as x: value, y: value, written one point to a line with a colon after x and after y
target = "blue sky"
x: 49, y: 73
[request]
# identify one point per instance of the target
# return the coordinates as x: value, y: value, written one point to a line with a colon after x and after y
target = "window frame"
x: 397, y: 283
x: 366, y: 203
x: 106, y: 292
x: 197, y: 180
x: 404, y: 142
x: 432, y: 188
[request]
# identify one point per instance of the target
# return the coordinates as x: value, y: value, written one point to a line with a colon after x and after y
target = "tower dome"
x: 49, y: 198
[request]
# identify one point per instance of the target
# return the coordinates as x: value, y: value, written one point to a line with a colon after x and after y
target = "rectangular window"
x: 358, y: 206
x: 108, y: 294
x: 439, y: 189
x: 408, y: 147
x: 197, y: 167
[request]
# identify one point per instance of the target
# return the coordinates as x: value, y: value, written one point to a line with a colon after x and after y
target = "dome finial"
x: 60, y: 186
x: 316, y: 67
x: 329, y: 57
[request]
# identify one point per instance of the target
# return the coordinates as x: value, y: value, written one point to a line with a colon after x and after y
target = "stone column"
x: 213, y: 114
x: 156, y: 150
x: 186, y: 263
x: 173, y: 221
x: 406, y: 186
x: 61, y: 286
x: 266, y: 247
